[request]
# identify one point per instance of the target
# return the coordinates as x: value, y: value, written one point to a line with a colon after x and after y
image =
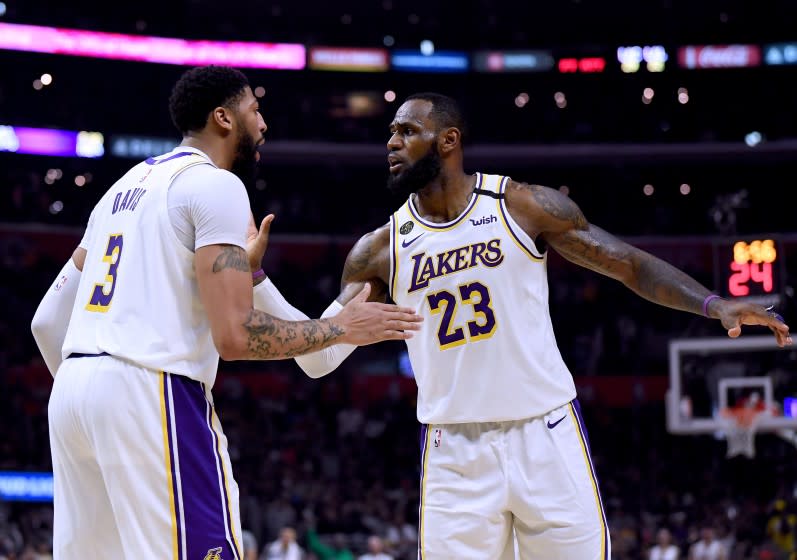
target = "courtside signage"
x: 441, y: 61
x: 51, y: 142
x: 719, y: 56
x: 348, y: 59
x: 26, y: 486
x: 513, y: 61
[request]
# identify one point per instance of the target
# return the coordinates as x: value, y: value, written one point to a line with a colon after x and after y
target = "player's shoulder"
x: 370, y: 255
x: 375, y: 240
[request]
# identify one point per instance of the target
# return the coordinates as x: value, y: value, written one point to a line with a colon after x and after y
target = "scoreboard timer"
x: 751, y: 268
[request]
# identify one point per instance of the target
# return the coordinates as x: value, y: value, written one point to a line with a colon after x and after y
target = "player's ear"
x: 221, y: 117
x: 449, y: 139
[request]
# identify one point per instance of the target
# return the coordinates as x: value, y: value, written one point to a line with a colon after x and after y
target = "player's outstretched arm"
x: 554, y: 218
x: 241, y: 332
x: 51, y: 319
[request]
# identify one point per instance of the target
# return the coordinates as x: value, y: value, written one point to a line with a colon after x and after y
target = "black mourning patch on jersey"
x: 406, y: 227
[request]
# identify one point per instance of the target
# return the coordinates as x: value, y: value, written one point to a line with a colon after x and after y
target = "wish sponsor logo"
x: 484, y: 220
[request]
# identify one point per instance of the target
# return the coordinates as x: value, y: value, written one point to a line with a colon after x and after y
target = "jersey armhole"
x: 520, y: 237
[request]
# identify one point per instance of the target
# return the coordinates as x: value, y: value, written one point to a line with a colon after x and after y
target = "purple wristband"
x: 258, y: 274
x: 709, y: 299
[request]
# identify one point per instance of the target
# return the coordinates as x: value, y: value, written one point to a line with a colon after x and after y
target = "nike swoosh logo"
x: 552, y: 425
x: 406, y: 243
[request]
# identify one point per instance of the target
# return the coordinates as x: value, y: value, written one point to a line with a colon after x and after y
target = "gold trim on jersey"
x: 503, y: 212
x: 190, y: 163
x: 430, y: 226
x: 394, y: 261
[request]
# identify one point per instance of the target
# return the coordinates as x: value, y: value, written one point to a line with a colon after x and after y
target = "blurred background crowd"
x: 682, y: 162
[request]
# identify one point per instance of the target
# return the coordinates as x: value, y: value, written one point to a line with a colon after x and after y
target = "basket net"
x: 740, y: 425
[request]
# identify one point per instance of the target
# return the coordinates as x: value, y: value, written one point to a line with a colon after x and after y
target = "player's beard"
x: 244, y: 166
x: 412, y: 179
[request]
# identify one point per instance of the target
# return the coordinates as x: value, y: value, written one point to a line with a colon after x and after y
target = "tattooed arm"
x: 552, y: 218
x: 240, y: 332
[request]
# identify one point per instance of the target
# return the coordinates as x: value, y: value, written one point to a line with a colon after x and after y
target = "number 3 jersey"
x: 486, y: 350
x: 138, y: 297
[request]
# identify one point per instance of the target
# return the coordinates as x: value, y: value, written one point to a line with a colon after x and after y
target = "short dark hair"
x: 202, y: 89
x: 446, y: 112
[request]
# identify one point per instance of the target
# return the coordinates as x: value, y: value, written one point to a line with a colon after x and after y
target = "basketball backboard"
x: 712, y: 375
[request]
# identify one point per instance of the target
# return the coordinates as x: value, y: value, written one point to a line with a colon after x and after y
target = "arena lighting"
x: 630, y: 58
x: 26, y: 486
x: 117, y: 46
x: 51, y: 142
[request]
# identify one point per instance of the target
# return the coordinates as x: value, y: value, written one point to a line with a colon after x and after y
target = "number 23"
x: 483, y: 325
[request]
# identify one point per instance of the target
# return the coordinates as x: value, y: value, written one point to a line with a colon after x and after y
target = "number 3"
x: 446, y: 302
x: 100, y: 298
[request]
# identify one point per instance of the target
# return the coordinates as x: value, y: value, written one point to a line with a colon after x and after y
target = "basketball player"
x: 139, y: 457
x: 504, y: 445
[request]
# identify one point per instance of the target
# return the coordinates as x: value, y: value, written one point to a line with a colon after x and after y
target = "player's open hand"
x: 257, y: 241
x: 367, y: 322
x: 734, y: 314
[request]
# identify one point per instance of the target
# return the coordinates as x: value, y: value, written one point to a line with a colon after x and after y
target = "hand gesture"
x: 734, y: 314
x: 257, y: 241
x: 367, y: 322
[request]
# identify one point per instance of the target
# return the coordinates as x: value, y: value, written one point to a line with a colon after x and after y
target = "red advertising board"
x: 719, y: 56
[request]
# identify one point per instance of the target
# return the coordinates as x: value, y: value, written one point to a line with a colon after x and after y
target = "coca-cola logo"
x: 725, y: 56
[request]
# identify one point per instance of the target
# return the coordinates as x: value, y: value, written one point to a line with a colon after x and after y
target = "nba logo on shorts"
x: 438, y: 435
x: 60, y: 283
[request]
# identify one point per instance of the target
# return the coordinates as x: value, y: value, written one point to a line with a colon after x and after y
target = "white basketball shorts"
x: 140, y: 466
x: 482, y: 483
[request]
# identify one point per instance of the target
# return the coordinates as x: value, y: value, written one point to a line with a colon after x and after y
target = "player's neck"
x: 444, y: 199
x: 216, y: 150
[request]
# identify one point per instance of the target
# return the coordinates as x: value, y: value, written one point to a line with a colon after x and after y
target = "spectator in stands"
x: 284, y: 548
x: 376, y: 549
x: 664, y: 549
x: 249, y: 544
x: 337, y: 550
x: 708, y: 547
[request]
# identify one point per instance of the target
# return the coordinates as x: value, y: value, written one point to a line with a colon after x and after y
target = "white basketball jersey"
x: 486, y: 350
x: 138, y: 297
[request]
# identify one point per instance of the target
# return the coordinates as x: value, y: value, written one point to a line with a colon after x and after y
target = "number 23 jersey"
x: 486, y: 350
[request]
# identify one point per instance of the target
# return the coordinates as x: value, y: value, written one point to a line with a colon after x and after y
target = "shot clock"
x: 751, y: 268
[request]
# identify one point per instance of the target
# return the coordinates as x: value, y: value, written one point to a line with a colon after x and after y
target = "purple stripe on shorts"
x: 206, y: 524
x: 583, y: 429
x: 424, y: 432
x: 175, y: 490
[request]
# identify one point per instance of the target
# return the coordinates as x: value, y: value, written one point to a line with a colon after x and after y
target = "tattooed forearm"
x: 269, y: 338
x: 231, y: 256
x: 665, y: 284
